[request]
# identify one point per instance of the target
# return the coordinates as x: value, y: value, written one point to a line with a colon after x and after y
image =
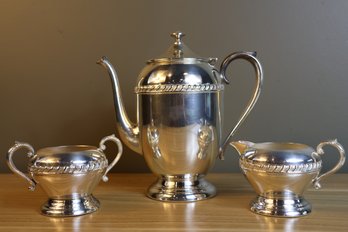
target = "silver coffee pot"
x: 179, y: 116
x: 281, y: 172
x: 68, y: 175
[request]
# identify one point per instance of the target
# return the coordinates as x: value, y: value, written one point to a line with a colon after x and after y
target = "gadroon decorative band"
x: 173, y: 88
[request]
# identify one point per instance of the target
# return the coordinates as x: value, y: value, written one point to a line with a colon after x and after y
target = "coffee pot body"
x: 179, y: 118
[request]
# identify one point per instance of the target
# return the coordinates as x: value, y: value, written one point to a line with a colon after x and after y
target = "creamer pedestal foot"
x: 280, y: 207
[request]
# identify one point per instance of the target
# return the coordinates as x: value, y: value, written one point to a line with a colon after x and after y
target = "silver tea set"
x: 179, y: 133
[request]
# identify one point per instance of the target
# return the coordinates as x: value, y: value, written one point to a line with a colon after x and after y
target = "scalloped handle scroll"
x: 102, y: 147
x: 251, y: 57
x: 340, y: 163
x: 12, y: 166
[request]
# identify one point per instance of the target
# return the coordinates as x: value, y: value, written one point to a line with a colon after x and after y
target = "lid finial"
x: 179, y: 52
x: 178, y: 44
x: 178, y: 35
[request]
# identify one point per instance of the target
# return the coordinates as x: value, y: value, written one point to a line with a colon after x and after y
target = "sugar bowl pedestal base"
x: 181, y: 188
x: 75, y: 206
x: 280, y: 207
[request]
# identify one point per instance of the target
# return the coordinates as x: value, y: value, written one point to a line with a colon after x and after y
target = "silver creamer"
x: 281, y: 172
x: 178, y: 128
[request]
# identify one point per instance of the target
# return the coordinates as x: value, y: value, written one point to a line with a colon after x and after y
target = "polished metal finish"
x: 188, y: 187
x: 11, y: 165
x: 178, y: 128
x: 71, y: 206
x: 128, y: 131
x: 160, y: 89
x: 281, y: 172
x: 251, y: 57
x: 342, y: 159
x: 68, y: 175
x: 281, y: 207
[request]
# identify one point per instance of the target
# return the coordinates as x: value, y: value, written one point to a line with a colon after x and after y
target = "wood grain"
x: 124, y: 207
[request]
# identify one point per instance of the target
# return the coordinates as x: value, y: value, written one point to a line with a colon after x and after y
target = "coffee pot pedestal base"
x: 181, y: 188
x: 280, y: 207
x: 70, y: 207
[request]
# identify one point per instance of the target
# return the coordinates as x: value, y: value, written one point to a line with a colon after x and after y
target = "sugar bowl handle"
x: 251, y: 57
x: 340, y: 163
x: 11, y: 165
x: 102, y: 147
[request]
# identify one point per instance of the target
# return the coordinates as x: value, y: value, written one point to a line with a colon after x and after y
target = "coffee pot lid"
x: 179, y: 51
x: 68, y: 159
x: 282, y: 157
x: 179, y: 70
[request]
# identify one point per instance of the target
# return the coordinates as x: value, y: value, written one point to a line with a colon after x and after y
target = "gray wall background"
x: 53, y: 93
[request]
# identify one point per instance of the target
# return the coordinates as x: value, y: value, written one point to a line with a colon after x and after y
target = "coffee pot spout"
x: 242, y: 146
x: 128, y: 131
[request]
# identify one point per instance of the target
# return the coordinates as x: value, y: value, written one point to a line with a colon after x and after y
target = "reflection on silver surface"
x: 61, y: 224
x: 153, y: 139
x: 68, y: 175
x: 278, y: 224
x: 205, y: 137
x: 181, y: 188
x: 281, y: 172
x: 178, y: 128
x: 181, y: 212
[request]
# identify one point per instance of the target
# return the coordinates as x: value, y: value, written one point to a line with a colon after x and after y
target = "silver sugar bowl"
x: 68, y: 175
x: 281, y: 172
x: 179, y: 117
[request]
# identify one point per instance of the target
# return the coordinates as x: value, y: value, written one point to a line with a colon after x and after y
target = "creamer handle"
x: 11, y: 165
x: 340, y: 163
x: 118, y: 156
x: 251, y: 57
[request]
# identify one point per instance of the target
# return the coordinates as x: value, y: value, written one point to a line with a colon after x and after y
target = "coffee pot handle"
x: 251, y: 57
x: 340, y: 163
x: 11, y: 165
x: 102, y: 147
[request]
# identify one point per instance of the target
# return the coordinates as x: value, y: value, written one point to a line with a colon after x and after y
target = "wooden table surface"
x: 124, y: 207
